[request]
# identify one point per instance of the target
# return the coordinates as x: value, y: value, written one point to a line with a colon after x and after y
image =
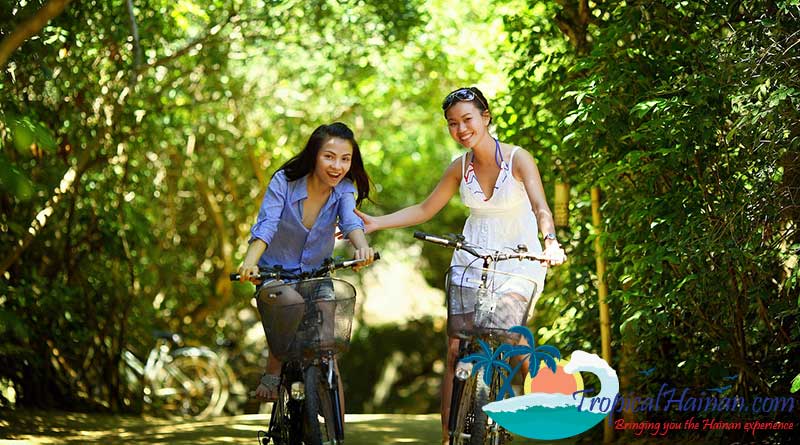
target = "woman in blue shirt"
x: 307, y: 198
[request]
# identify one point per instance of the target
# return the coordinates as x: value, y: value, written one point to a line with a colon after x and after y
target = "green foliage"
x: 128, y: 183
x: 387, y: 370
x: 685, y: 114
x: 131, y: 169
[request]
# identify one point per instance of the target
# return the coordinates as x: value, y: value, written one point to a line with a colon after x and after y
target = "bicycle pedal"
x: 263, y: 437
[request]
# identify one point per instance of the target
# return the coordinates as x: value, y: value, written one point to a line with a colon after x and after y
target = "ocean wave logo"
x: 554, y: 404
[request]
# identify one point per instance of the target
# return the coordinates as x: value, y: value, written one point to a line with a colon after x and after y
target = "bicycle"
x: 305, y: 337
x: 178, y: 381
x: 480, y: 316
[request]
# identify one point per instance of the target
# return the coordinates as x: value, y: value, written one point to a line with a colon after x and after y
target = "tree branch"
x: 30, y: 27
x: 191, y: 45
x: 38, y: 222
x: 137, y: 49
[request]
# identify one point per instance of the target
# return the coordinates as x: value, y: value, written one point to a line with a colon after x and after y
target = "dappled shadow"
x: 79, y: 428
x: 75, y: 428
x: 34, y: 428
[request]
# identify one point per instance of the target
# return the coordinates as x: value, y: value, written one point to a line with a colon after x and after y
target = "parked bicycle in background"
x: 306, y: 337
x: 178, y: 381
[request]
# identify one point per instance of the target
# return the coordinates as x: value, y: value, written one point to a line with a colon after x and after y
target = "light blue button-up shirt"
x: 280, y: 224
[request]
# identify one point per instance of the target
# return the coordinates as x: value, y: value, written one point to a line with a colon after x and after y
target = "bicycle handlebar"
x: 519, y: 254
x: 327, y: 267
x: 458, y: 245
x: 435, y: 239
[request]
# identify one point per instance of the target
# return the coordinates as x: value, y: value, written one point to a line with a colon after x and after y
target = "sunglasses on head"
x: 462, y: 95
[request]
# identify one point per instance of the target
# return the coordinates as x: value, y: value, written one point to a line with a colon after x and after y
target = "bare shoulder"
x: 523, y: 161
x: 453, y: 170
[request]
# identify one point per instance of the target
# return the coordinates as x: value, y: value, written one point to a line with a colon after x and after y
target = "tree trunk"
x: 602, y: 292
x: 30, y: 27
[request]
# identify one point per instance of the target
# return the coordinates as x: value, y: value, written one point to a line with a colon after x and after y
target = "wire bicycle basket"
x: 317, y: 320
x: 474, y: 310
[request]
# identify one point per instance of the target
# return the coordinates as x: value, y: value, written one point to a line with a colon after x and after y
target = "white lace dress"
x: 501, y: 222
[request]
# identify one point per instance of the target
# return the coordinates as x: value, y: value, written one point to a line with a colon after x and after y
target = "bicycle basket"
x: 474, y: 311
x: 307, y: 317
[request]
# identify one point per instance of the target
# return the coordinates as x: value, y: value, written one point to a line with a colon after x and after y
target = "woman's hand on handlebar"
x: 555, y: 254
x: 367, y: 254
x: 249, y: 273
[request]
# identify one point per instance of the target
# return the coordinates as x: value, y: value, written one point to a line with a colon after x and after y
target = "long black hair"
x: 304, y: 162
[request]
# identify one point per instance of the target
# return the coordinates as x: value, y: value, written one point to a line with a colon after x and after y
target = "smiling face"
x: 333, y: 161
x: 466, y: 123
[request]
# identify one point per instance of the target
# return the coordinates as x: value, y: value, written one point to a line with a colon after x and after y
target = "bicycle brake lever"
x: 458, y: 237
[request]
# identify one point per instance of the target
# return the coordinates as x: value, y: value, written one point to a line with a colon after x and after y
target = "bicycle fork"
x: 455, y: 400
x: 333, y: 385
x: 460, y: 376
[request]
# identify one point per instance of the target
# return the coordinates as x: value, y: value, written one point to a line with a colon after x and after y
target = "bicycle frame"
x: 457, y: 420
x: 474, y: 319
x: 162, y: 366
x: 309, y: 380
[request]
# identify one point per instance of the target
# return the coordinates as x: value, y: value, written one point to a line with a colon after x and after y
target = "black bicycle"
x: 482, y: 304
x: 306, y: 336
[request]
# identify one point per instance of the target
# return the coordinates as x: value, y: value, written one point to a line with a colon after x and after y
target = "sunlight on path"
x: 76, y: 428
x: 44, y: 428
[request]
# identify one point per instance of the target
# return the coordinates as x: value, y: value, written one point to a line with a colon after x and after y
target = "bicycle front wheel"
x: 189, y: 386
x: 319, y: 424
x: 285, y: 420
x: 471, y: 423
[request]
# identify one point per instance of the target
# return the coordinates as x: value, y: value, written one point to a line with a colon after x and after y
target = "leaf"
x: 550, y: 350
x: 535, y: 363
x: 14, y: 181
x: 25, y: 132
x: 640, y: 109
x: 550, y: 362
x: 525, y: 332
x: 795, y: 384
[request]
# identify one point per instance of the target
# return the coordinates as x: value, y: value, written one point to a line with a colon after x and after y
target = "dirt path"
x: 78, y: 428
x: 35, y: 428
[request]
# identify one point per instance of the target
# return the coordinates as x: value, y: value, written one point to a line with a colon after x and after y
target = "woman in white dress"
x: 501, y: 186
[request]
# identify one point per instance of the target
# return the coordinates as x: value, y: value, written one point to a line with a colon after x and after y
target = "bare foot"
x: 267, y: 390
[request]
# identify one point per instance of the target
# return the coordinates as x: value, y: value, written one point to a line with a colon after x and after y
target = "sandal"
x: 269, y: 383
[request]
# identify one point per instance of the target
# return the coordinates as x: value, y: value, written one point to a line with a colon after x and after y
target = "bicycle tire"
x: 295, y: 422
x: 471, y: 423
x: 189, y: 387
x: 459, y: 434
x: 217, y: 369
x: 481, y: 396
x: 315, y: 397
x: 326, y: 410
x: 278, y: 430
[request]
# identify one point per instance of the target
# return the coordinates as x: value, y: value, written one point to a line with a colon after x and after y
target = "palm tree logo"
x: 497, y: 360
x: 490, y: 360
x: 534, y: 354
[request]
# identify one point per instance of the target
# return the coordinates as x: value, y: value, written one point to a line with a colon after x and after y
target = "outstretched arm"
x: 528, y: 173
x: 422, y: 212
